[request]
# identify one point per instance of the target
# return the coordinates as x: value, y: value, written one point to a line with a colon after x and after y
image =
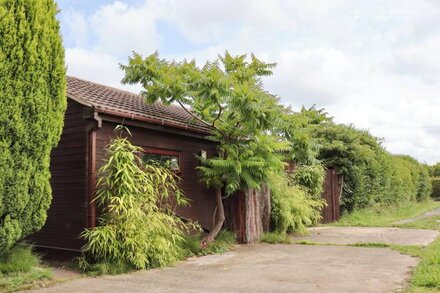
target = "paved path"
x: 430, y: 214
x: 353, y: 235
x: 266, y: 268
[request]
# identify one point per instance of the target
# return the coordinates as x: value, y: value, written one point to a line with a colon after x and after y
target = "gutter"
x: 138, y: 117
x: 91, y: 219
x: 153, y: 121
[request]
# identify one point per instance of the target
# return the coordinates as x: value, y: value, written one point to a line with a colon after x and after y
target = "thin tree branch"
x: 219, y: 114
x: 192, y: 114
x: 200, y: 119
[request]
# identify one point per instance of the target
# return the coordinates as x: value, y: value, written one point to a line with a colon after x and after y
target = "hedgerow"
x: 435, y: 194
x: 371, y: 174
x: 33, y: 101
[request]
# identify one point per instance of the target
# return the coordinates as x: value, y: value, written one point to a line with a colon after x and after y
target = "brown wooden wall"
x: 331, y: 194
x: 67, y: 215
x: 202, y: 200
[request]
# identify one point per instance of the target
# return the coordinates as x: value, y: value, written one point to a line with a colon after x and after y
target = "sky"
x: 374, y: 64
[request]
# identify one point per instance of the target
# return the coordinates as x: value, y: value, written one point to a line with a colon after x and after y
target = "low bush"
x: 293, y: 208
x: 138, y: 228
x: 435, y: 194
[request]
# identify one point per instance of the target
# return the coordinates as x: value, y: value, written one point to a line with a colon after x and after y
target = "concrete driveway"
x: 353, y: 235
x: 266, y: 268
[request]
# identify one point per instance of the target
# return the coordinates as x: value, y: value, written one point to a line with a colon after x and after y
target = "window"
x: 168, y: 159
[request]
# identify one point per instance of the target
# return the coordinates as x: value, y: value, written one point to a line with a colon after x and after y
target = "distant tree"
x: 228, y: 96
x: 32, y: 105
x: 434, y: 170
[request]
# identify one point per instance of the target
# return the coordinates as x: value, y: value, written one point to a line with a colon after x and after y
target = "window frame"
x: 166, y: 152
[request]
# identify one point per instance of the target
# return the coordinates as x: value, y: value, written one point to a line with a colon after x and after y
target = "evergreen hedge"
x: 435, y: 194
x: 32, y: 103
x: 371, y: 174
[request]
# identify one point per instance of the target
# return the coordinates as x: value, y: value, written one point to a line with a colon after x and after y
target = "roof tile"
x: 126, y: 104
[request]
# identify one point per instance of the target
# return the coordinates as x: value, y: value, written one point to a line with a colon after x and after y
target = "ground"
x: 331, y: 264
x: 266, y: 268
x: 280, y: 268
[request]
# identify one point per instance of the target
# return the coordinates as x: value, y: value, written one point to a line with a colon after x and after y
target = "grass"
x: 413, y: 250
x: 223, y: 243
x: 274, y: 237
x: 432, y: 223
x: 21, y: 269
x: 426, y: 276
x: 381, y: 216
x: 427, y: 273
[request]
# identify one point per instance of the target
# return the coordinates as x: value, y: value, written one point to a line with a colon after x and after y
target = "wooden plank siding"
x: 202, y: 200
x: 67, y: 215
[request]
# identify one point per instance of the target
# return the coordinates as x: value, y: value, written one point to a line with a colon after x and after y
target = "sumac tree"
x: 228, y: 96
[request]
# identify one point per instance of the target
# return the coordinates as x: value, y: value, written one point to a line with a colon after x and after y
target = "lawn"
x: 385, y: 216
x: 426, y: 276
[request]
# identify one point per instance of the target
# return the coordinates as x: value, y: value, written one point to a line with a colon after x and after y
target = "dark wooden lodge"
x: 167, y: 132
x: 92, y: 114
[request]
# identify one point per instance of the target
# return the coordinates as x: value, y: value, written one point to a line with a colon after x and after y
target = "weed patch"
x: 225, y: 240
x: 273, y: 238
x: 20, y: 268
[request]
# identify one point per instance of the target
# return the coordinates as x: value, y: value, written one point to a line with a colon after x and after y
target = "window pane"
x: 169, y: 161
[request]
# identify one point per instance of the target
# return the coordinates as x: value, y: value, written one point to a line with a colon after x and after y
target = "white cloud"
x: 78, y: 29
x: 98, y: 67
x: 372, y: 63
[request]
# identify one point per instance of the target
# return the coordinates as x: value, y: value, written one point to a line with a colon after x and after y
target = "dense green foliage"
x: 138, y: 228
x: 435, y: 194
x: 434, y: 170
x: 293, y: 207
x: 371, y: 174
x: 228, y: 96
x: 32, y: 103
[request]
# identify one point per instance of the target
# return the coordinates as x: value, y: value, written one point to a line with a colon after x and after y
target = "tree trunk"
x: 220, y: 219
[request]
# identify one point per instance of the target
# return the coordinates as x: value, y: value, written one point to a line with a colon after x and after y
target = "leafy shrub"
x: 33, y: 101
x: 292, y: 207
x: 311, y: 178
x: 138, y: 228
x: 435, y: 188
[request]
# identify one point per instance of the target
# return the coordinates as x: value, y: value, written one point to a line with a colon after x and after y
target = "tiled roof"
x: 121, y: 103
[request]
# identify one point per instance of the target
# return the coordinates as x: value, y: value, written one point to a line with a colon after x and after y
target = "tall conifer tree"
x: 32, y: 105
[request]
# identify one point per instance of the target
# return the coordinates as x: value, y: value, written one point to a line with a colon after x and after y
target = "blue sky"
x: 371, y: 63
